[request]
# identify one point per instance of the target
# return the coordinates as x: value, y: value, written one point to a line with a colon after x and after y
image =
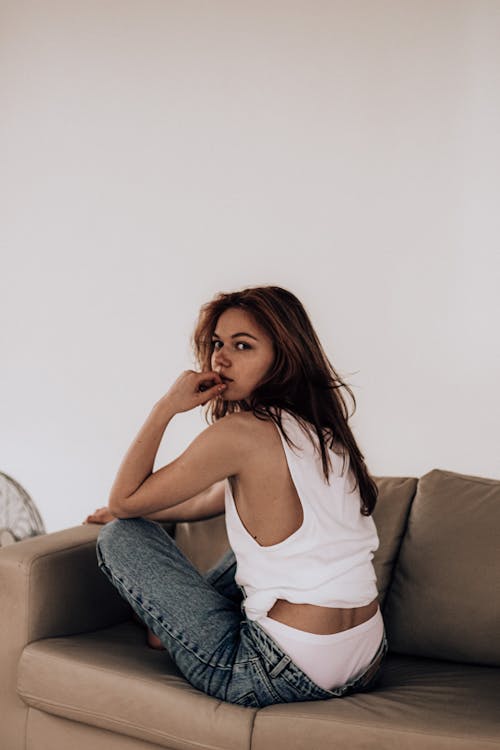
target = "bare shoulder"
x: 257, y: 451
x: 259, y: 434
x: 246, y: 424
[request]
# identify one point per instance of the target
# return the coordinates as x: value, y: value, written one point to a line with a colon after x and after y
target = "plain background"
x: 155, y: 153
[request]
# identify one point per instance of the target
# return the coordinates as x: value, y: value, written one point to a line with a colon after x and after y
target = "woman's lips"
x: 226, y: 380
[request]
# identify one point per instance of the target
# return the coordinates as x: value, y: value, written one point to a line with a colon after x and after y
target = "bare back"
x: 270, y: 509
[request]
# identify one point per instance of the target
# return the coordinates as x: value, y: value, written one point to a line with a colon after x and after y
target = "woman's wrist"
x: 165, y: 408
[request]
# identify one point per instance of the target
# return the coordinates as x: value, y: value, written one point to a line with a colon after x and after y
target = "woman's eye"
x: 237, y: 343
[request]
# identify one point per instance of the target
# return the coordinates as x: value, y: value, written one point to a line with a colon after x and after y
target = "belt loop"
x: 280, y: 666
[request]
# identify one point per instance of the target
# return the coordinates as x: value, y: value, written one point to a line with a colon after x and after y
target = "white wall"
x: 155, y: 153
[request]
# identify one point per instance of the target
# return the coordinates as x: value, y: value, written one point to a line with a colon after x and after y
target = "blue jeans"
x: 200, y: 620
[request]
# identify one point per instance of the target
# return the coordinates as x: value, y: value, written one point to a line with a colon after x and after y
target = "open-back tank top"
x: 328, y: 560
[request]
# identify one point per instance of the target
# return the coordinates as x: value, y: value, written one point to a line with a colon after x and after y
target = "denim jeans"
x: 200, y: 620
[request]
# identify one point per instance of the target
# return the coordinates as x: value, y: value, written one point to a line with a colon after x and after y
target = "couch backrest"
x: 444, y: 599
x: 203, y: 542
x: 395, y: 495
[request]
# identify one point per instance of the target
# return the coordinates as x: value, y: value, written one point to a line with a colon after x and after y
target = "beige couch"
x: 76, y: 671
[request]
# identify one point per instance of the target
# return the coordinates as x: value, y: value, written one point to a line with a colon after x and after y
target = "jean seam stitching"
x: 188, y: 647
x: 267, y: 681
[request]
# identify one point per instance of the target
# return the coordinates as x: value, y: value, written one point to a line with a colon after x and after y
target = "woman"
x: 290, y: 612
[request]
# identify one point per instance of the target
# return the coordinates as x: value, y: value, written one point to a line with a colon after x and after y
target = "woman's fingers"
x: 101, y: 515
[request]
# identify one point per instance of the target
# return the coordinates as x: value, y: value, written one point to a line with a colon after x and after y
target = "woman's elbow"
x: 120, y: 509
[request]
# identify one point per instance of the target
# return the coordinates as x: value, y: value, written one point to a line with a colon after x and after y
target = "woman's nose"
x: 220, y: 358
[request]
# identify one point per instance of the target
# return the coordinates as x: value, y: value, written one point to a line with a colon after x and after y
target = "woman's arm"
x: 137, y: 466
x: 216, y: 453
x: 140, y: 457
x: 206, y: 504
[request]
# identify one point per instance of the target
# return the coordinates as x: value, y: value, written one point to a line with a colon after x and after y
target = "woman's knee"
x: 117, y: 536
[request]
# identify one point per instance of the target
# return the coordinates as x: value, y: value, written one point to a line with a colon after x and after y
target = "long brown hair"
x: 301, y: 379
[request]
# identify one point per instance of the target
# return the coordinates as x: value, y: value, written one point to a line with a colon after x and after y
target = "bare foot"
x: 154, y: 641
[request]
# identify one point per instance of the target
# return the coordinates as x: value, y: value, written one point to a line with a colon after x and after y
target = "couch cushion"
x: 444, y: 601
x: 419, y: 704
x: 48, y: 732
x: 203, y: 542
x: 112, y: 680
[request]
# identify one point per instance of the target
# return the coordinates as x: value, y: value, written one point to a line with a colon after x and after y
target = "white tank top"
x: 328, y: 560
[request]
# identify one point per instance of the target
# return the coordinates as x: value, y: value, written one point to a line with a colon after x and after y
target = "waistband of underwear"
x: 279, y: 628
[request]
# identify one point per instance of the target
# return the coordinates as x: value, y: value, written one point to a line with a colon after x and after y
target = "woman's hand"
x: 101, y: 515
x: 193, y: 389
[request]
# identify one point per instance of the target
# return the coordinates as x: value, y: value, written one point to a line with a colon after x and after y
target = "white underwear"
x: 329, y: 660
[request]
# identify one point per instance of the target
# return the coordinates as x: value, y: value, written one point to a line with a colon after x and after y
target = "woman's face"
x: 242, y: 351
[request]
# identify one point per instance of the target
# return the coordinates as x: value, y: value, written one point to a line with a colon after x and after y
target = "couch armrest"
x: 50, y: 585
